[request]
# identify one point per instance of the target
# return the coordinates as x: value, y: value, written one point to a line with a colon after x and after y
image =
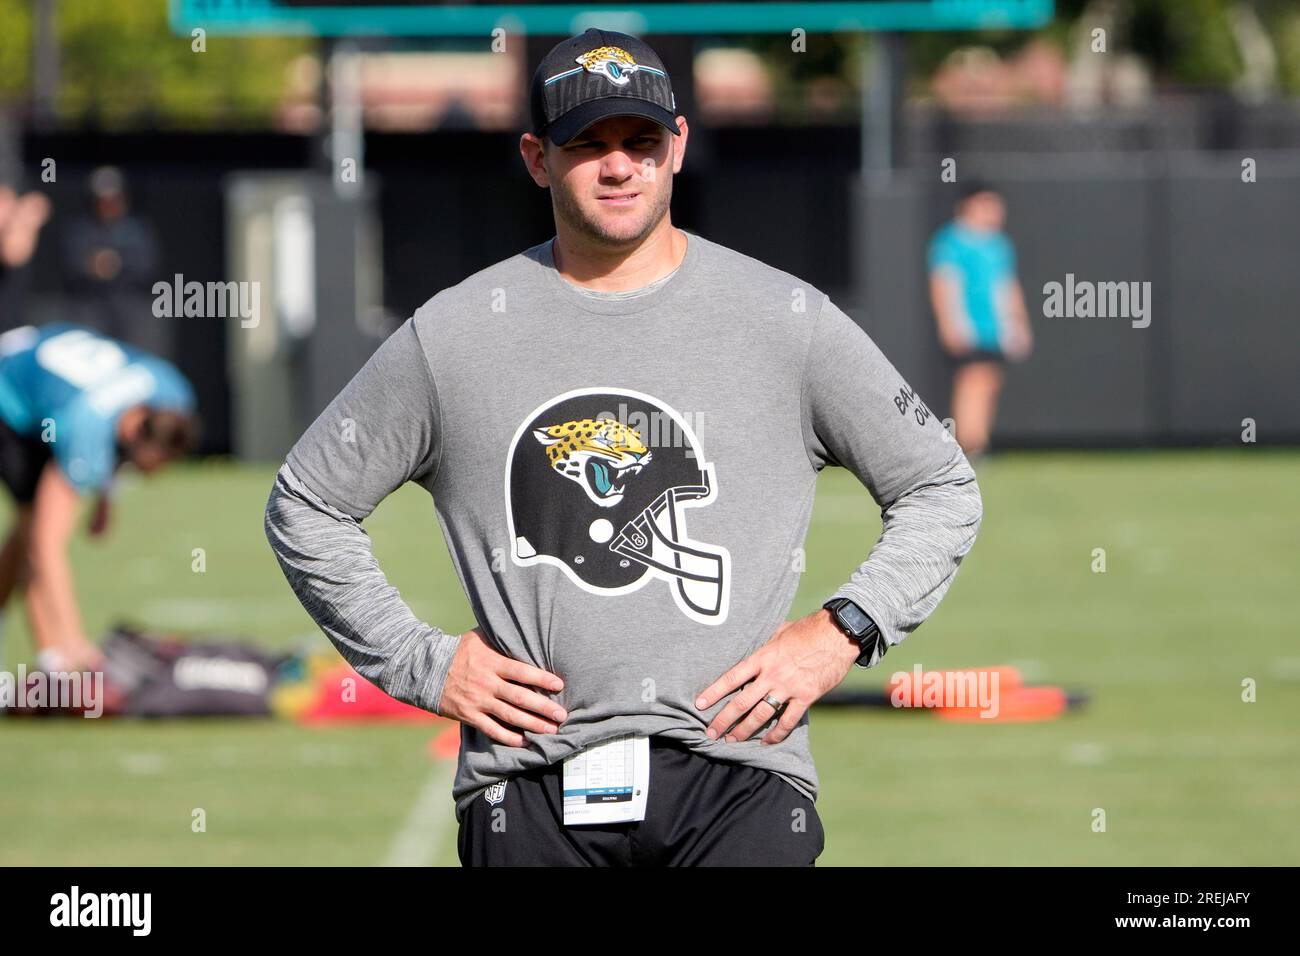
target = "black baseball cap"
x: 597, y: 74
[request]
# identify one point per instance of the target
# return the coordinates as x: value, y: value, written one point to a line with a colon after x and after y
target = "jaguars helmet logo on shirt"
x: 598, y: 482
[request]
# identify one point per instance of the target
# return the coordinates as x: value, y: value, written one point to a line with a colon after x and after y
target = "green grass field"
x: 1199, y: 594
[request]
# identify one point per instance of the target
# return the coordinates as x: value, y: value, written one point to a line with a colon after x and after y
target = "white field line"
x: 420, y: 840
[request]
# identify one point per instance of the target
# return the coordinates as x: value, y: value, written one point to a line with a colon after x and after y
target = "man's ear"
x: 533, y: 149
x: 679, y: 144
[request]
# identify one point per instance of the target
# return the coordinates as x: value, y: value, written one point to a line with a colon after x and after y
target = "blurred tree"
x: 817, y: 82
x: 15, y: 48
x: 1282, y: 18
x: 122, y: 66
x: 1188, y: 42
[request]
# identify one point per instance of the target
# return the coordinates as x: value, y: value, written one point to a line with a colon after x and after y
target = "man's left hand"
x: 802, y: 661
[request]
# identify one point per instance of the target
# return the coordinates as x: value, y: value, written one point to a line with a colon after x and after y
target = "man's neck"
x: 604, y: 270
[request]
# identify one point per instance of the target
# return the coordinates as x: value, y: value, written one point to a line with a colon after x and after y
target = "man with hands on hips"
x: 621, y: 430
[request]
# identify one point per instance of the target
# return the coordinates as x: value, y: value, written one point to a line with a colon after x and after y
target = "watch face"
x: 854, y: 618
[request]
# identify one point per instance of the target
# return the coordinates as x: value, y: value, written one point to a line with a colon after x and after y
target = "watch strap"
x: 869, y: 638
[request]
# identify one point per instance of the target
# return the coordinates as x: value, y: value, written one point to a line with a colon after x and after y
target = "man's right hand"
x: 493, y: 692
x: 953, y: 341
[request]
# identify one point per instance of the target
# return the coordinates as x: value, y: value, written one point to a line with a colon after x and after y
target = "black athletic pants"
x: 699, y: 812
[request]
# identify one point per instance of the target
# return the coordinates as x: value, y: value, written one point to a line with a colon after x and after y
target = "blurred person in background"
x: 110, y: 261
x: 979, y: 308
x: 21, y: 219
x: 74, y: 405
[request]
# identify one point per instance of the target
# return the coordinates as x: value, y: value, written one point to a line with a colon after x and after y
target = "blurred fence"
x: 1222, y: 344
x: 1217, y: 251
x: 1210, y: 121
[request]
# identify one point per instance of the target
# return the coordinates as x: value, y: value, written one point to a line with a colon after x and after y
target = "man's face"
x: 984, y: 211
x: 110, y: 206
x: 147, y: 456
x: 613, y: 182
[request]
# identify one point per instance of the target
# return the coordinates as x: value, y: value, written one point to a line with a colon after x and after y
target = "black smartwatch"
x: 858, y: 625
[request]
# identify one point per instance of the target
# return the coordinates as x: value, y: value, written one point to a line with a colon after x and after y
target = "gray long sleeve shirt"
x: 624, y: 483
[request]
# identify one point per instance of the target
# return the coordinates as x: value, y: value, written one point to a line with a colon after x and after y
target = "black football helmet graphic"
x: 598, y: 482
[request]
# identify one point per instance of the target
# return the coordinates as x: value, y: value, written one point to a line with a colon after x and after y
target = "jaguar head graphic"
x: 615, y: 64
x: 600, y: 454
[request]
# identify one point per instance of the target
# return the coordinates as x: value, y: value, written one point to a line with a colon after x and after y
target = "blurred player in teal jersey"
x: 74, y: 405
x: 980, y: 309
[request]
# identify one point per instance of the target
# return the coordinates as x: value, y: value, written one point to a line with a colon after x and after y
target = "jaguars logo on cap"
x: 611, y: 62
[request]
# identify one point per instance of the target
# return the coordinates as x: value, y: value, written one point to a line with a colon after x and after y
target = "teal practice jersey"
x: 68, y: 385
x: 984, y: 264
